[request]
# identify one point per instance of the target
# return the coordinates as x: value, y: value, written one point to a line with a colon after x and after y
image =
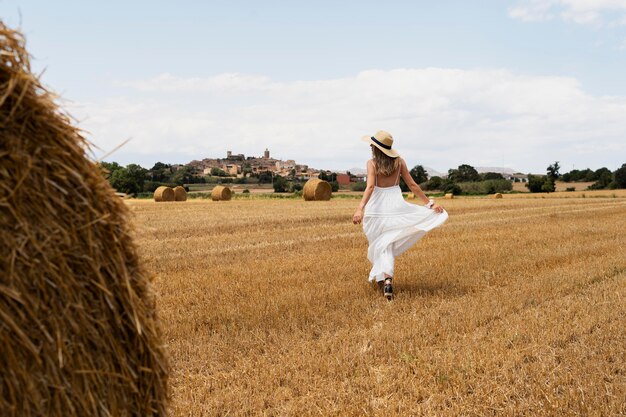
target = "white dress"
x: 393, y: 225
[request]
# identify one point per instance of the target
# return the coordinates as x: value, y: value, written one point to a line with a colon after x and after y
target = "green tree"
x: 108, y: 168
x: 553, y: 171
x: 620, y: 177
x: 124, y: 182
x: 491, y: 176
x: 419, y: 174
x: 548, y: 185
x: 217, y: 172
x: 280, y: 184
x: 160, y: 172
x: 535, y: 183
x: 449, y: 186
x: 464, y: 173
x: 183, y: 175
x: 138, y: 174
x: 434, y: 183
x: 246, y: 169
x: 328, y: 176
x: 265, y: 177
x: 603, y: 177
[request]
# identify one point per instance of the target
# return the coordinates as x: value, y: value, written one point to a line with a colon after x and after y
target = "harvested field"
x: 516, y: 306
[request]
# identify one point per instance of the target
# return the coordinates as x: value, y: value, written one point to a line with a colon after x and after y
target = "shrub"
x: 280, y: 184
x: 451, y: 187
x: 296, y: 186
x: 358, y: 186
x: 434, y: 183
x: 497, y: 186
x: 535, y: 183
x: 486, y: 187
x: 548, y: 186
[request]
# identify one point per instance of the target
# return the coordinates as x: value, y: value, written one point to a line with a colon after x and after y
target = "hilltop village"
x: 241, y: 166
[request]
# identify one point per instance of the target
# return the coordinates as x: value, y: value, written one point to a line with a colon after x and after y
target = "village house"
x: 343, y: 179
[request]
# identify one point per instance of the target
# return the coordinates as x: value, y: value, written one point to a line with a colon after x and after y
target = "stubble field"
x: 513, y: 307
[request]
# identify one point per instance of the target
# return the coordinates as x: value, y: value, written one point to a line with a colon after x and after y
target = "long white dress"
x: 393, y: 225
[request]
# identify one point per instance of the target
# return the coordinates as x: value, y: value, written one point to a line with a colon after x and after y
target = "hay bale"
x: 497, y: 195
x: 317, y: 190
x: 164, y: 193
x: 411, y: 196
x: 180, y: 194
x: 78, y: 330
x: 449, y: 195
x: 220, y: 193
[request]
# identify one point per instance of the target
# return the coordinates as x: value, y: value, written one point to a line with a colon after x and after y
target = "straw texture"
x: 164, y: 193
x: 180, y: 194
x: 317, y: 190
x: 78, y: 332
x: 220, y: 193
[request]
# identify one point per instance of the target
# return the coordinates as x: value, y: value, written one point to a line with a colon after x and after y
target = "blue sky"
x: 490, y: 83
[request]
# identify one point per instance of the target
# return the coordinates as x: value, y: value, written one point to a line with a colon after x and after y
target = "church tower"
x: 266, y: 154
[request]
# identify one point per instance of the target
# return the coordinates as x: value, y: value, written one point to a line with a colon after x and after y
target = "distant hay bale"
x: 78, y: 328
x: 164, y: 193
x: 317, y: 190
x: 220, y: 193
x: 411, y: 196
x: 497, y: 195
x: 180, y: 194
x: 449, y: 195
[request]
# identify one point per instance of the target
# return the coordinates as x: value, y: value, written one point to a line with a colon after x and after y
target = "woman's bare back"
x: 390, y: 180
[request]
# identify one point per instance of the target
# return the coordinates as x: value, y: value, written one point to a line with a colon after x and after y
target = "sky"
x: 517, y: 84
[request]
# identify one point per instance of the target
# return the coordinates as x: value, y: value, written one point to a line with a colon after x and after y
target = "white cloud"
x: 586, y: 12
x: 439, y: 117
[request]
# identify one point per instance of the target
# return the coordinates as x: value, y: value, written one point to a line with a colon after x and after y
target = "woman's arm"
x: 369, y: 188
x: 415, y: 188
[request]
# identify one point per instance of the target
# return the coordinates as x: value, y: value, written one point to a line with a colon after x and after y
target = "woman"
x: 391, y: 224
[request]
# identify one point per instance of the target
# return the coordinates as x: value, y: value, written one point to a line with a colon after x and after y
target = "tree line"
x: 603, y: 178
x: 465, y: 179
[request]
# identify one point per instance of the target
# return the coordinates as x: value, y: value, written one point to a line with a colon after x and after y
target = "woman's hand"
x: 437, y: 208
x: 358, y: 216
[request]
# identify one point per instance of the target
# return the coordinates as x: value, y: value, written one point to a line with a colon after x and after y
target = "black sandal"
x: 388, y: 290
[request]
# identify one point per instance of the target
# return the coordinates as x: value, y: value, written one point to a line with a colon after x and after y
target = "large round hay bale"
x: 449, y: 195
x: 411, y: 196
x: 180, y: 194
x: 164, y: 193
x: 497, y: 195
x: 220, y: 193
x: 78, y: 329
x: 317, y: 190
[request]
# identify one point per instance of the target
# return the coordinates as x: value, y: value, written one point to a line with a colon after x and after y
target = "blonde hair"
x: 385, y: 165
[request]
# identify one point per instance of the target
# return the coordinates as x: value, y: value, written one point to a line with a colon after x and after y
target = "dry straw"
x: 317, y: 190
x: 220, y: 193
x: 78, y: 331
x: 180, y: 194
x: 164, y: 193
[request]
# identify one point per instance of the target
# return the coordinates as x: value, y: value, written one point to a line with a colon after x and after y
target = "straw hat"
x: 383, y: 141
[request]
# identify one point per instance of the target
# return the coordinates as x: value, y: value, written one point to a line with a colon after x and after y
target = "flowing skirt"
x: 392, y: 226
